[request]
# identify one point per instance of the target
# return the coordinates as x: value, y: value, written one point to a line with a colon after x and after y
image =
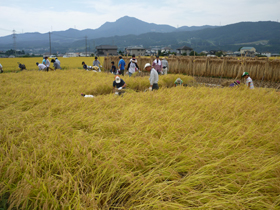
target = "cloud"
x: 92, y: 14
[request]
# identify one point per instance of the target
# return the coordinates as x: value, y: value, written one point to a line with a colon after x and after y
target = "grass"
x: 177, y: 148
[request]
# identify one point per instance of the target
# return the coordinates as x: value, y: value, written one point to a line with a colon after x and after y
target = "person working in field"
x: 113, y: 68
x: 249, y: 81
x: 96, y: 63
x: 56, y: 65
x: 164, y: 66
x: 47, y: 63
x: 121, y: 65
x: 153, y: 77
x: 42, y: 67
x: 133, y: 58
x: 178, y: 82
x: 86, y: 67
x: 1, y: 68
x: 132, y: 66
x: 235, y: 84
x: 157, y: 65
x: 57, y: 61
x: 118, y: 85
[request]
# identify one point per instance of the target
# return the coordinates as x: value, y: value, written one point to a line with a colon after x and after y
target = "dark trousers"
x: 155, y: 86
x: 122, y: 72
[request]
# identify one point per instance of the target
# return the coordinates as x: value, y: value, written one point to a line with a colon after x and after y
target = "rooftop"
x: 107, y: 47
x: 246, y: 48
x: 184, y: 48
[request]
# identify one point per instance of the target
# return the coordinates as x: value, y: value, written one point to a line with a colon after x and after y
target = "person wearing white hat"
x: 153, y: 77
x: 119, y: 84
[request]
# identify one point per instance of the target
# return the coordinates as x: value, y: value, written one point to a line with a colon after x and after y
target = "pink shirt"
x: 157, y: 65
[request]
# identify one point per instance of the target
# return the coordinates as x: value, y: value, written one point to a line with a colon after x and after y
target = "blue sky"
x: 44, y: 16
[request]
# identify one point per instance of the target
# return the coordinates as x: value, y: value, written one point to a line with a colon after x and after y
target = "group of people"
x: 161, y: 66
x: 45, y: 65
x: 95, y: 66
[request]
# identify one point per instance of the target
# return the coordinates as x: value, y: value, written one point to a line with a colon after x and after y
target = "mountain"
x: 194, y: 28
x: 264, y: 36
x: 123, y: 26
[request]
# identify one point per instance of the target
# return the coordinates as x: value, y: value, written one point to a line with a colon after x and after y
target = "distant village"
x: 112, y: 50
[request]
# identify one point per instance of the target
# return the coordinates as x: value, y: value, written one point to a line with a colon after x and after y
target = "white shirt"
x: 57, y: 61
x: 0, y: 65
x: 153, y: 77
x: 48, y: 63
x: 41, y: 66
x: 132, y: 67
x: 249, y: 80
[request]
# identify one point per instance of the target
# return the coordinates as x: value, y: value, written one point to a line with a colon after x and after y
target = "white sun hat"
x: 147, y: 65
x: 118, y: 79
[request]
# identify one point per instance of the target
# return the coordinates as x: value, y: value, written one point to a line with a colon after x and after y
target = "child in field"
x: 96, y: 63
x: 249, y: 81
x: 47, y: 63
x: 113, y: 69
x: 56, y: 64
x: 1, y: 68
x: 234, y: 84
x: 41, y: 66
x: 178, y: 82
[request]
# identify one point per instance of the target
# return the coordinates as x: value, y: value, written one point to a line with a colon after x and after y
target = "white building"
x: 184, y: 50
x: 72, y: 54
x: 136, y: 51
x: 267, y: 54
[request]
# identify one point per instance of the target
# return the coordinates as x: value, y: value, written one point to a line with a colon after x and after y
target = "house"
x: 86, y: 54
x: 248, y: 51
x: 275, y: 55
x: 104, y: 50
x: 72, y: 54
x: 184, y: 50
x: 267, y: 54
x: 136, y: 51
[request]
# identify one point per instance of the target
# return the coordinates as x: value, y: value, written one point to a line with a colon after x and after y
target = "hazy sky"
x: 55, y: 15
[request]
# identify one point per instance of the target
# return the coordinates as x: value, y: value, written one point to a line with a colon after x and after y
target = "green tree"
x: 193, y: 53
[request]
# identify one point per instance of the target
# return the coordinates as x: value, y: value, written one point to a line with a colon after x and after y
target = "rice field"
x: 175, y: 148
x: 11, y: 64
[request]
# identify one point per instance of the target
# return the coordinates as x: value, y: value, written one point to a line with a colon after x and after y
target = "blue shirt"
x: 122, y: 63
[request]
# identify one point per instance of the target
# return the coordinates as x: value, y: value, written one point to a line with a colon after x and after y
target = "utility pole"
x: 86, y: 45
x: 15, y: 45
x: 93, y: 47
x: 50, y: 43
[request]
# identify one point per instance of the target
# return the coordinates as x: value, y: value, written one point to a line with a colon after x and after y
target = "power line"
x: 50, y: 43
x: 86, y: 45
x: 15, y: 45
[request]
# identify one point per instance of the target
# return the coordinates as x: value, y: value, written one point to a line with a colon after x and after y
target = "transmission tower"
x: 15, y: 44
x: 50, y: 43
x: 86, y: 45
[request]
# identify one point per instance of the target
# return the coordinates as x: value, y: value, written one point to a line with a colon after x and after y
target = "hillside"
x: 229, y: 37
x: 123, y: 26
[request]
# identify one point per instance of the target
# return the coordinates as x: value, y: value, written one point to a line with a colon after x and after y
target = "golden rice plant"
x: 11, y: 64
x: 175, y: 148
